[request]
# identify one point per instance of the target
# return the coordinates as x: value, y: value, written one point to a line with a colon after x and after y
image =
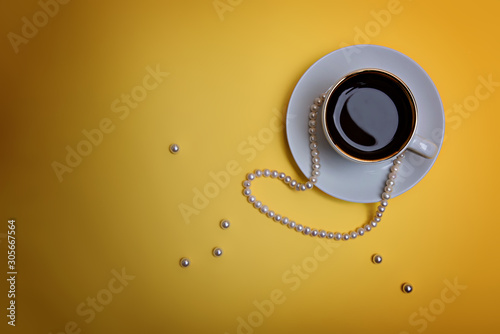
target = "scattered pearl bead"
x: 376, y: 258
x: 407, y: 288
x: 184, y: 262
x: 174, y: 148
x: 217, y: 252
x: 224, y: 224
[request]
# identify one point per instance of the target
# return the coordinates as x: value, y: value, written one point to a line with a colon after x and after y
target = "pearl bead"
x: 314, y: 108
x: 306, y: 230
x: 258, y: 173
x: 377, y: 219
x: 315, y: 160
x: 317, y: 101
x: 407, y: 288
x: 381, y: 208
x: 315, y: 172
x: 184, y: 262
x: 316, y: 166
x: 401, y: 156
x: 274, y: 174
x: 345, y: 236
x: 264, y: 209
x: 313, y: 115
x: 247, y: 192
x: 277, y: 217
x: 378, y: 214
x: 250, y: 176
x: 293, y: 183
x: 360, y: 231
x: 330, y: 235
x: 313, y: 180
x: 367, y: 227
x: 292, y: 224
x: 312, y: 131
x: 309, y: 185
x: 313, y: 145
x: 312, y: 123
x: 353, y: 235
x: 393, y: 176
x: 271, y: 214
x: 394, y: 169
x: 297, y: 186
x: 247, y: 184
x: 314, y: 232
x: 281, y: 176
x: 257, y: 204
x: 337, y: 236
x: 314, y: 153
x: 397, y: 162
x: 390, y: 183
x: 388, y: 189
x: 384, y: 203
x: 266, y: 173
x: 174, y: 148
x: 284, y: 220
x: 288, y: 179
x: 303, y: 187
x: 251, y: 198
x: 376, y: 258
x: 312, y: 139
x: 224, y: 224
x: 373, y: 223
x: 386, y: 195
x: 323, y: 96
x: 217, y: 252
x: 322, y: 234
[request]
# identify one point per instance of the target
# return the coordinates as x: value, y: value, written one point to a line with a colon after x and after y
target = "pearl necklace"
x: 306, y: 230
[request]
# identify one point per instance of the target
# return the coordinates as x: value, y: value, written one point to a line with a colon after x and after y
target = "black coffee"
x: 370, y: 115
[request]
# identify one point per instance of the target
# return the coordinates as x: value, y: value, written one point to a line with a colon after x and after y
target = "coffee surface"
x: 370, y: 116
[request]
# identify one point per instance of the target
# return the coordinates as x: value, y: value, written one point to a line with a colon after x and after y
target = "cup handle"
x: 423, y: 147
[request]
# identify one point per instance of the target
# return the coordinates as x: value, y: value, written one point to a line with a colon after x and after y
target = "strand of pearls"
x: 315, y: 172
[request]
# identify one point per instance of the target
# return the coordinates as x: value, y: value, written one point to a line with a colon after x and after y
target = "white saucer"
x: 344, y: 179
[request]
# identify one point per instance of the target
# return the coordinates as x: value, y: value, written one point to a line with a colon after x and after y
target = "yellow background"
x: 227, y: 73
